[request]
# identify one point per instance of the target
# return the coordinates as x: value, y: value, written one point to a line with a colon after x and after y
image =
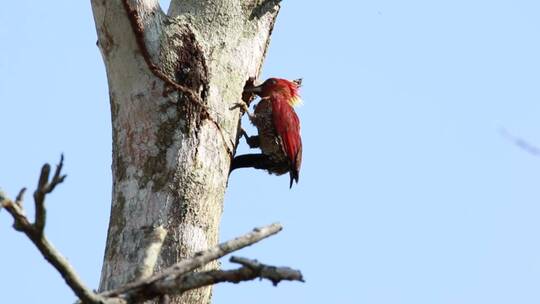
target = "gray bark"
x: 171, y: 156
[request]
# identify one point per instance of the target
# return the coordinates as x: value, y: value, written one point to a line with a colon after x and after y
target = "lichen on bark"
x: 170, y: 149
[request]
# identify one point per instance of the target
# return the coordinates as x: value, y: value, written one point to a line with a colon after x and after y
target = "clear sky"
x: 408, y: 193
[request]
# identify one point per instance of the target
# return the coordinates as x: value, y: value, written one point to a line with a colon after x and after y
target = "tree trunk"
x: 172, y: 81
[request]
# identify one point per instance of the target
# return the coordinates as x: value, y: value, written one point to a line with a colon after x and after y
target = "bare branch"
x: 20, y: 222
x: 58, y: 178
x: 274, y: 274
x: 200, y: 259
x: 2, y: 199
x: 45, y: 187
x: 39, y: 198
x: 250, y: 270
x: 34, y: 231
x: 20, y: 197
x: 176, y: 279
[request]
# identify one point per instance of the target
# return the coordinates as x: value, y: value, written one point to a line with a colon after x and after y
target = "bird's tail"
x: 294, y: 174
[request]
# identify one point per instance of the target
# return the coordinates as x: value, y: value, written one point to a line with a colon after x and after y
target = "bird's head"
x: 279, y: 87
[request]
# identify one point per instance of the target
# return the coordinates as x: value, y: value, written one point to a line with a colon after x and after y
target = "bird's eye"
x: 272, y: 81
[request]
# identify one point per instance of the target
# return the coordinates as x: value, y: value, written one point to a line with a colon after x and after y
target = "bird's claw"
x: 243, y: 133
x: 241, y: 105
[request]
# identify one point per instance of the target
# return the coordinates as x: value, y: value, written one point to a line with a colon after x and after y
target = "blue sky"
x: 408, y: 192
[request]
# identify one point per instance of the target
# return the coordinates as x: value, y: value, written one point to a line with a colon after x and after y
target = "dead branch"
x: 34, y: 231
x: 274, y: 274
x: 200, y: 259
x: 174, y: 285
x: 176, y: 279
x: 181, y: 277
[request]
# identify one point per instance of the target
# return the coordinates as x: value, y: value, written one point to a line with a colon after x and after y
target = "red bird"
x: 278, y: 127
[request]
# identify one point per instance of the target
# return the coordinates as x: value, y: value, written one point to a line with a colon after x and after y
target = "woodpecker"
x: 278, y: 127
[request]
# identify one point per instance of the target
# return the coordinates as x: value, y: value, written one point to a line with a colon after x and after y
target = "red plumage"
x: 284, y: 128
x: 287, y: 127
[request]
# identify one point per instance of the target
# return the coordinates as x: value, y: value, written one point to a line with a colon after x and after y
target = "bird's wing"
x: 287, y: 127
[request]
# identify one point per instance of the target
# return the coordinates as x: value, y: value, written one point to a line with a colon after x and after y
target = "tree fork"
x: 172, y: 79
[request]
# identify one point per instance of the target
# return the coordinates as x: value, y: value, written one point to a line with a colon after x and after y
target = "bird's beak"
x: 257, y: 89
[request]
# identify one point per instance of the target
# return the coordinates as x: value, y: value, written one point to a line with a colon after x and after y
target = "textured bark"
x: 171, y: 156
